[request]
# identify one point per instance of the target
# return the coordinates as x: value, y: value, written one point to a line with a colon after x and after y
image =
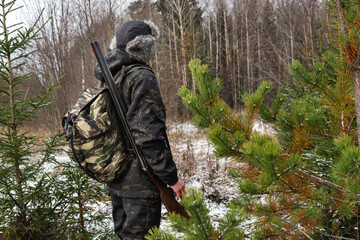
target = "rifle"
x: 166, y: 193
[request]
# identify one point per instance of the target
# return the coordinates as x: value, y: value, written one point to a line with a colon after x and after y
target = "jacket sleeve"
x: 146, y: 117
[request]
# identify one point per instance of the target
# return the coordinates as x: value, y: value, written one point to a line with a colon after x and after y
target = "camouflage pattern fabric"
x: 92, y: 132
x: 133, y: 217
x: 146, y: 115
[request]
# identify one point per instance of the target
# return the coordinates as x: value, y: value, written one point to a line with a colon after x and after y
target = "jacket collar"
x: 115, y: 59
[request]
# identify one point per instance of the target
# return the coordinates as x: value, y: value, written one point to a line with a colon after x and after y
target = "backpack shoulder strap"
x: 135, y: 67
x: 121, y: 75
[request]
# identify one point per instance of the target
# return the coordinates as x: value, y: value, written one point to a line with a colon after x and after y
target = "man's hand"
x: 179, y: 188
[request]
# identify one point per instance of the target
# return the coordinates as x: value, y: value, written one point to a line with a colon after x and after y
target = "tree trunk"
x: 356, y: 75
x: 182, y: 49
x: 259, y: 52
x: 12, y: 131
x: 82, y: 69
x: 235, y: 62
x: 170, y: 56
x: 81, y: 213
x: 217, y: 48
x: 210, y: 38
x: 175, y: 44
x: 247, y: 50
x: 227, y: 54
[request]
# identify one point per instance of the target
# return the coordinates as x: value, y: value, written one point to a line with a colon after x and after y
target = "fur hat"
x: 137, y: 38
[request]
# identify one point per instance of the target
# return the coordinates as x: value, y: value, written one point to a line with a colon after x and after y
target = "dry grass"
x: 197, y: 164
x: 42, y: 133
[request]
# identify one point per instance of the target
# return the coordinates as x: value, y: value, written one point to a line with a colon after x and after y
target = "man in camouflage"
x: 135, y: 199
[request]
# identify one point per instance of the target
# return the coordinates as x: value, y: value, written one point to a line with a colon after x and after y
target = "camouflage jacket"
x: 146, y: 117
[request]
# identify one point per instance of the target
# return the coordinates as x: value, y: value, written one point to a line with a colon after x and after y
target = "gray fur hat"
x: 137, y: 38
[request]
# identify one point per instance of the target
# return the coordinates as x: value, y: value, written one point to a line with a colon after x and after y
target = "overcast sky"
x: 18, y: 15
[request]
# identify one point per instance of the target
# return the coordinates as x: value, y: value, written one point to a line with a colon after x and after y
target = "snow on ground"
x: 199, y: 168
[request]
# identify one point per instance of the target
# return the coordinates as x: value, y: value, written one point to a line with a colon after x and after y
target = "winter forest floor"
x: 199, y: 168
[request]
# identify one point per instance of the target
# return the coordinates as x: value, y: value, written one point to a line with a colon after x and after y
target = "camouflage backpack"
x: 92, y: 131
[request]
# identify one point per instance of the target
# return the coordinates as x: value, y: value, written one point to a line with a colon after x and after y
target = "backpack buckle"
x: 66, y: 123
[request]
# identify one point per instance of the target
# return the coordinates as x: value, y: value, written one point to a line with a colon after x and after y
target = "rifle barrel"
x: 166, y: 193
x: 120, y: 108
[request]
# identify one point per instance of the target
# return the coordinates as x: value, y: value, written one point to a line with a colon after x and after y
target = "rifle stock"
x: 166, y: 193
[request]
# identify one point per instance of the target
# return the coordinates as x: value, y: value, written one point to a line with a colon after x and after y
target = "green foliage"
x: 304, y: 182
x: 83, y: 205
x: 28, y: 208
x: 40, y: 198
x: 346, y: 170
x: 199, y: 225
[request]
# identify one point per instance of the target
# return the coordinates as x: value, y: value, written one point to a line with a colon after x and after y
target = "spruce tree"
x: 40, y: 197
x: 28, y: 196
x: 84, y: 211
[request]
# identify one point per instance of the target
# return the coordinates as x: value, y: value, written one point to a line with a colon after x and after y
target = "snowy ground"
x: 199, y: 168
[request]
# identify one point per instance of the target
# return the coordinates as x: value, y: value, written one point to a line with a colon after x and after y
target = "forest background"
x: 243, y: 42
x: 294, y: 63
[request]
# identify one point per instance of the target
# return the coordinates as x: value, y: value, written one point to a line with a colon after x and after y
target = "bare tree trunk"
x: 247, y: 50
x: 356, y: 73
x: 170, y: 56
x: 235, y: 62
x: 82, y: 69
x: 210, y: 37
x: 227, y: 54
x: 175, y: 44
x: 291, y: 36
x: 291, y: 43
x: 305, y: 38
x: 259, y: 51
x: 182, y: 48
x: 311, y: 34
x: 239, y: 58
x: 217, y: 48
x: 286, y: 57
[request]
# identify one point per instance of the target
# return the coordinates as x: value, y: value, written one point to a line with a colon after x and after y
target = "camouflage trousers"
x: 133, y: 217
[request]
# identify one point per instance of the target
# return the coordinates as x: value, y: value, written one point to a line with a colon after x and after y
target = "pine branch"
x: 185, y: 230
x: 298, y: 228
x: 331, y: 236
x: 228, y: 229
x: 201, y: 224
x: 319, y: 181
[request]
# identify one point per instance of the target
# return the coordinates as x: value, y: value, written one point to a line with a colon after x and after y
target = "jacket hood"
x: 138, y: 39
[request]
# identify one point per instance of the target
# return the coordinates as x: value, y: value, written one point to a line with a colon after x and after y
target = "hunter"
x: 135, y: 200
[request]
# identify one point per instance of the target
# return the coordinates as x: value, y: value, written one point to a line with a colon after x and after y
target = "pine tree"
x: 199, y: 225
x: 303, y: 183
